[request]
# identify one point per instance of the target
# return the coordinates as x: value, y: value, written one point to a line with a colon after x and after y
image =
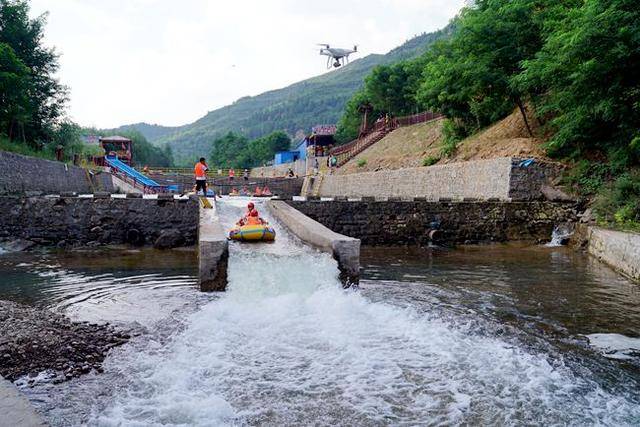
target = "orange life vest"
x: 200, y: 170
x: 253, y: 220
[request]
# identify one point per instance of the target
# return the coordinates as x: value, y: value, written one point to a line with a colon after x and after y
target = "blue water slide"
x: 131, y: 172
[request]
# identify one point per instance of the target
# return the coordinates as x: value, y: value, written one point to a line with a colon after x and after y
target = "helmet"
x: 254, y: 213
x: 250, y: 205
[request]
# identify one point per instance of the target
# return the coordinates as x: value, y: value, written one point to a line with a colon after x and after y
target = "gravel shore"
x: 35, y: 340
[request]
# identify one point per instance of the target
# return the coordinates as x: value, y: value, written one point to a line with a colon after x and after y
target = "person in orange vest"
x: 243, y: 220
x: 232, y: 174
x: 200, y: 170
x: 254, y: 218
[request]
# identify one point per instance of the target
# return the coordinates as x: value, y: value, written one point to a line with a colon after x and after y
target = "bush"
x: 361, y: 163
x: 430, y: 161
x: 451, y: 136
x: 618, y: 204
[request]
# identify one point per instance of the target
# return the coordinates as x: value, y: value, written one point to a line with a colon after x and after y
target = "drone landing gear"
x: 337, y: 64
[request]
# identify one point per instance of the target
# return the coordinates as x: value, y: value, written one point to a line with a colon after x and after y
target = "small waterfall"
x: 560, y: 235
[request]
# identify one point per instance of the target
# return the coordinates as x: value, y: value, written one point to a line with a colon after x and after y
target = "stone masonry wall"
x: 419, y: 222
x: 68, y: 222
x: 500, y: 178
x: 22, y: 174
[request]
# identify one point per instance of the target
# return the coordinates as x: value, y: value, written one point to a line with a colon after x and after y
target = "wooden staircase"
x: 348, y: 151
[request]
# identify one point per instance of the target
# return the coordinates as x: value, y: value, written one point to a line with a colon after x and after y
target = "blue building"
x: 286, y: 157
x: 321, y: 138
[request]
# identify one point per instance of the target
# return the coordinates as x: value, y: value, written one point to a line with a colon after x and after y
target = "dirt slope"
x: 506, y: 138
x: 402, y: 148
x: 408, y: 147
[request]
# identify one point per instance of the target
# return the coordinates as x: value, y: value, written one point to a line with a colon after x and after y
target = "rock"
x: 168, y: 239
x: 587, y: 216
x: 555, y: 195
x: 35, y: 340
x: 134, y: 237
x: 19, y: 245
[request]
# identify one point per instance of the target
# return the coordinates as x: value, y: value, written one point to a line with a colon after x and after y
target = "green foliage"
x: 236, y: 151
x: 430, y: 160
x: 587, y: 78
x: 619, y: 203
x: 146, y: 154
x: 388, y: 89
x: 18, y: 147
x: 361, y: 163
x: 32, y: 100
x: 452, y: 134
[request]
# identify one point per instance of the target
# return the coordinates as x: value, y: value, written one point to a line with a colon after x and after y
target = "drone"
x: 339, y: 55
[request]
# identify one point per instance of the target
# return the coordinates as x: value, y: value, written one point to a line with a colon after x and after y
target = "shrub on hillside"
x: 430, y: 161
x: 619, y: 202
x: 361, y: 163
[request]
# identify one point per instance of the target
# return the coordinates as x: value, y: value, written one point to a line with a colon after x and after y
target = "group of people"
x: 251, y: 217
x: 200, y: 172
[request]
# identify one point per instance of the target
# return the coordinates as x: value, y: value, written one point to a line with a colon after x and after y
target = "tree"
x: 46, y: 97
x: 587, y: 79
x: 236, y: 151
x: 14, y: 95
x: 471, y: 77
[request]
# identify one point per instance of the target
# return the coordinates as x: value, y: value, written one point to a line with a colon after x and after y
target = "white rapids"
x: 286, y: 345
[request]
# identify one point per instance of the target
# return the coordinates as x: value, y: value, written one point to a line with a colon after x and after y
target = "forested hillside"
x: 297, y: 107
x: 571, y: 68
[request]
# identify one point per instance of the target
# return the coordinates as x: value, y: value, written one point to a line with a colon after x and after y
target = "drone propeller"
x: 323, y: 44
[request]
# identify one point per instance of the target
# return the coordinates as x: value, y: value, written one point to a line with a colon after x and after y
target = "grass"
x: 361, y: 163
x: 451, y: 136
x: 26, y: 150
x: 430, y: 161
x: 617, y: 204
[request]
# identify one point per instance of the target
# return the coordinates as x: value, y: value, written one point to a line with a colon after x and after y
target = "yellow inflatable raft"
x: 253, y: 233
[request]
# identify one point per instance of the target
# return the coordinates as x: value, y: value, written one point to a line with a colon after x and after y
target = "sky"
x: 169, y: 62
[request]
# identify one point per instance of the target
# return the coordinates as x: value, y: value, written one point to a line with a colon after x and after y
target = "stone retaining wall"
x: 419, y: 222
x: 502, y: 178
x: 22, y: 174
x: 68, y: 222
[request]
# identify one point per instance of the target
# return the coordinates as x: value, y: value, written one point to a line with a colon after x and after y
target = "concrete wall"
x: 213, y: 251
x: 419, y: 222
x: 21, y: 174
x: 617, y: 249
x: 68, y: 222
x: 346, y: 250
x: 15, y: 409
x: 500, y: 178
x: 299, y: 168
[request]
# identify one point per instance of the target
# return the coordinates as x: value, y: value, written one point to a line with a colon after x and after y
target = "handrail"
x: 376, y: 132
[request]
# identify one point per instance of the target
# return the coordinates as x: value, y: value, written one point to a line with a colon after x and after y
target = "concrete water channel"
x: 504, y: 334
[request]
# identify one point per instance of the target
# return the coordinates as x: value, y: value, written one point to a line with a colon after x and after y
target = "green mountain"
x: 296, y: 107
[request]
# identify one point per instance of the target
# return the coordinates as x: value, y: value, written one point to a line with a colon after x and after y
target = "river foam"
x: 287, y: 345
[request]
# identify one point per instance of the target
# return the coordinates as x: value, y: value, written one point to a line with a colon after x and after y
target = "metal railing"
x: 376, y: 132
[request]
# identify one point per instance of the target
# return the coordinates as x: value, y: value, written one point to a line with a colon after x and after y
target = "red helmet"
x: 254, y: 213
x: 250, y: 205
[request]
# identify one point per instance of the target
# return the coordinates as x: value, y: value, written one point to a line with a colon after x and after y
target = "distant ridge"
x: 296, y: 107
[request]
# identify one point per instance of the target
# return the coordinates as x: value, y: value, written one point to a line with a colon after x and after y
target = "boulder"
x: 18, y: 245
x: 169, y: 239
x: 554, y: 194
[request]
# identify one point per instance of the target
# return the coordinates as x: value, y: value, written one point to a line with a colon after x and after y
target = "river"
x: 499, y: 335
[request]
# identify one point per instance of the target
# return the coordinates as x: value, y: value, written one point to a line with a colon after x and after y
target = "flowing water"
x: 497, y: 335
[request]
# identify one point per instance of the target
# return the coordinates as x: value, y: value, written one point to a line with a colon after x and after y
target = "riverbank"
x: 35, y: 341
